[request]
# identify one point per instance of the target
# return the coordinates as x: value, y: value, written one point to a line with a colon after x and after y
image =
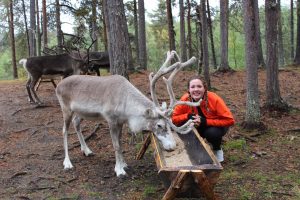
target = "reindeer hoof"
x: 123, y: 176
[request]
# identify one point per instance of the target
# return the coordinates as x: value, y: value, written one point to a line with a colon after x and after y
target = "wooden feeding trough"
x: 191, y: 170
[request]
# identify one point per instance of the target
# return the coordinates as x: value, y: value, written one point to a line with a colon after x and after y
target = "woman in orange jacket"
x: 212, y: 118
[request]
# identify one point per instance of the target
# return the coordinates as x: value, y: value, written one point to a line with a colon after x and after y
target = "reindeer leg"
x: 30, y: 99
x: 32, y: 86
x: 84, y: 148
x: 116, y: 133
x: 67, y: 115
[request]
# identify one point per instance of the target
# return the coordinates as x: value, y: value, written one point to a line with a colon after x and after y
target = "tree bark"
x: 32, y: 34
x: 224, y: 66
x: 170, y: 26
x: 182, y: 32
x: 142, y: 36
x: 94, y: 33
x: 119, y: 46
x: 199, y: 34
x: 189, y: 29
x: 297, y: 55
x: 274, y: 100
x: 252, y: 117
x: 214, y: 59
x: 260, y: 57
x: 26, y: 27
x: 136, y: 30
x: 205, y: 44
x: 292, y: 29
x: 45, y: 22
x: 12, y: 38
x: 59, y: 33
x: 105, y: 25
x: 38, y: 29
x: 280, y: 37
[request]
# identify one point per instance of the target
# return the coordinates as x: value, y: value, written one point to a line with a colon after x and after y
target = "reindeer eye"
x: 159, y: 126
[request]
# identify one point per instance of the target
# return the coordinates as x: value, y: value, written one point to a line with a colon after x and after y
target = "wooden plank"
x: 207, y: 147
x: 157, y: 152
x: 175, y: 185
x: 204, y: 185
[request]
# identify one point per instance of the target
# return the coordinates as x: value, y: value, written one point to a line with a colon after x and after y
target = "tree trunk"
x: 214, y: 59
x: 32, y: 34
x: 119, y: 46
x: 260, y: 57
x: 205, y: 44
x: 105, y: 25
x: 189, y: 29
x: 224, y: 66
x: 136, y: 30
x: 182, y: 32
x: 292, y: 29
x: 252, y: 118
x: 170, y: 26
x: 12, y: 38
x: 199, y: 34
x: 59, y: 33
x: 274, y: 100
x: 38, y: 29
x: 142, y: 36
x: 280, y: 37
x: 297, y: 56
x: 45, y: 22
x: 26, y: 27
x: 94, y: 33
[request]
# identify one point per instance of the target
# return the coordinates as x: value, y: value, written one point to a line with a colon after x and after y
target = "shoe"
x: 219, y: 155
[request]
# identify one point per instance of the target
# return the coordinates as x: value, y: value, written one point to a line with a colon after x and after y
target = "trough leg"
x: 204, y: 185
x: 175, y: 185
x: 142, y: 151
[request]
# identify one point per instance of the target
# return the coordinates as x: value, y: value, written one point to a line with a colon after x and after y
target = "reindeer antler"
x: 162, y: 71
x: 175, y: 68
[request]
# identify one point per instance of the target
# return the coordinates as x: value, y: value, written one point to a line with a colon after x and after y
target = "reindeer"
x: 116, y: 100
x: 102, y: 61
x: 62, y: 64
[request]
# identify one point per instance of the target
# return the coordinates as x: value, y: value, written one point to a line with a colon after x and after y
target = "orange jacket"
x: 217, y: 113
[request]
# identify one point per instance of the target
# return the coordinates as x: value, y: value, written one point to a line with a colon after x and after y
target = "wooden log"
x: 175, y: 185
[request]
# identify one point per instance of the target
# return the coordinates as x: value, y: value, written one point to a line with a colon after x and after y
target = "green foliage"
x: 5, y: 65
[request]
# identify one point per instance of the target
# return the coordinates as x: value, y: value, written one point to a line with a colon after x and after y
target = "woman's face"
x: 196, y: 89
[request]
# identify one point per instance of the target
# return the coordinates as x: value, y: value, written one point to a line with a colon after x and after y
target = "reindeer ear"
x: 149, y: 113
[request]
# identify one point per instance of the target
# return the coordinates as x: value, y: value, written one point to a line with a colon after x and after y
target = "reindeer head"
x: 163, y: 126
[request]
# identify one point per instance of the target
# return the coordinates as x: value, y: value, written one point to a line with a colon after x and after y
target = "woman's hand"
x: 197, y: 120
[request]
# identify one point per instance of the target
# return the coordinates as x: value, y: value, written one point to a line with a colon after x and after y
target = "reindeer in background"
x: 116, y: 100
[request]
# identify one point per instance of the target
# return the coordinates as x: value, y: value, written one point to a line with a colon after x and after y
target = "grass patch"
x: 149, y: 190
x: 238, y: 144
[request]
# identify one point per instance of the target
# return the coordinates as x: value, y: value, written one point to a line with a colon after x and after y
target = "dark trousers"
x: 213, y: 135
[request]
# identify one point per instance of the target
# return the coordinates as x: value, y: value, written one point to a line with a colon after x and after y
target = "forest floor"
x: 258, y: 164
